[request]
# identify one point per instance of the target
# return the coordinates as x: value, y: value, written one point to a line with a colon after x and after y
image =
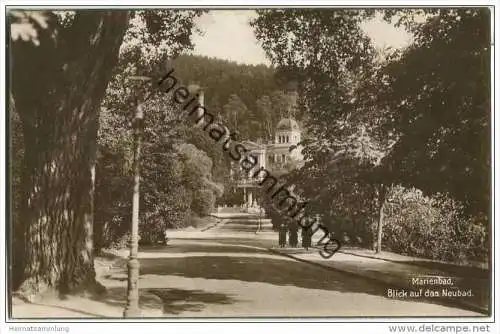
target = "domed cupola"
x: 287, y: 132
x: 287, y: 124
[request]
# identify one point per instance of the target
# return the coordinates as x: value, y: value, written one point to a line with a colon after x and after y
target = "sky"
x: 227, y: 35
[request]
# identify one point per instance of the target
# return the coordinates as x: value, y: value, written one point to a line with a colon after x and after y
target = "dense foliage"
x: 432, y: 227
x: 249, y: 99
x: 438, y: 92
x: 183, y: 172
x: 380, y: 119
x: 174, y: 172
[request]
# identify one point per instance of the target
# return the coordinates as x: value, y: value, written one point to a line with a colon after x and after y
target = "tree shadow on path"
x: 278, y: 271
x: 176, y: 301
x: 170, y: 301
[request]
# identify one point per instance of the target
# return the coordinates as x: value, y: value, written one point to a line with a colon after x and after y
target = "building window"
x: 287, y: 139
x: 283, y: 158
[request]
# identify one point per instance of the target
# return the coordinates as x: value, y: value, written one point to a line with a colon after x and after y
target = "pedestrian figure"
x: 293, y: 235
x: 282, y: 235
x: 306, y: 238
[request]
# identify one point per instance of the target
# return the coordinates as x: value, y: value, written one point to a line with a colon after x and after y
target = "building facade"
x: 278, y: 157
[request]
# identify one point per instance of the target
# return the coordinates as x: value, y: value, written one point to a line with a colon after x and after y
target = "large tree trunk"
x: 58, y: 87
x: 16, y: 234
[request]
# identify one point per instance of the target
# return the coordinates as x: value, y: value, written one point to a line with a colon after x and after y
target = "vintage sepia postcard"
x: 250, y: 162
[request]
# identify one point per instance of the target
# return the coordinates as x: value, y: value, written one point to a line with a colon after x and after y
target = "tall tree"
x: 16, y: 150
x: 358, y: 111
x: 58, y: 86
x: 317, y: 49
x: 438, y: 94
x: 335, y: 66
x: 62, y: 63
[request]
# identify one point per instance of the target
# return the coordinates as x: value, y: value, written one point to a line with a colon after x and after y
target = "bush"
x: 113, y: 199
x: 432, y: 227
x: 203, y: 202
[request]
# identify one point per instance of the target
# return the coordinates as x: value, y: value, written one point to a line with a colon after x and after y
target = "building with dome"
x: 278, y: 157
x: 287, y: 134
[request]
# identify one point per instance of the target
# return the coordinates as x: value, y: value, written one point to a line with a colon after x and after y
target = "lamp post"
x: 132, y: 308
